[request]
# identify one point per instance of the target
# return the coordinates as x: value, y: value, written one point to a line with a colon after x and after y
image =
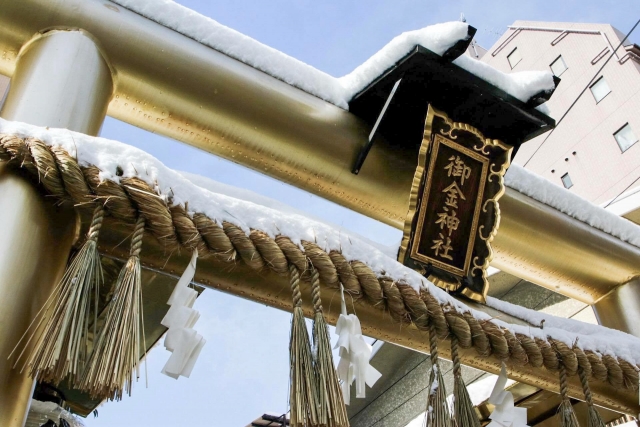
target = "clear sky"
x: 243, y: 370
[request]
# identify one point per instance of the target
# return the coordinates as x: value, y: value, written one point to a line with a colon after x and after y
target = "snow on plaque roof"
x: 117, y: 160
x: 339, y: 91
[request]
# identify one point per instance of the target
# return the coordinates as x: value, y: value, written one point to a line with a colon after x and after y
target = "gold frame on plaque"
x: 439, y: 139
x: 495, y: 157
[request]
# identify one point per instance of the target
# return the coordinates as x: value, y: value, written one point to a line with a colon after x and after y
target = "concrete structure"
x: 583, y: 145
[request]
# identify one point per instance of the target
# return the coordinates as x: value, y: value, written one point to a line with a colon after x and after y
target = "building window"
x: 514, y: 57
x: 625, y: 137
x: 566, y: 181
x: 558, y: 66
x: 600, y: 89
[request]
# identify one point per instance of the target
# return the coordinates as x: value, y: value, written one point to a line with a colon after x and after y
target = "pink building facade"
x: 594, y: 150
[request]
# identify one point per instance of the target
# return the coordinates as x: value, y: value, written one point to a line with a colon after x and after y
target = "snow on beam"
x: 177, y: 87
x: 160, y: 194
x: 449, y: 40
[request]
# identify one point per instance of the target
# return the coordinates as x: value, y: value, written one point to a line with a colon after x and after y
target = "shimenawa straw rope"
x: 62, y: 327
x: 116, y: 356
x: 567, y: 415
x: 62, y: 176
x: 437, y: 412
x: 593, y: 417
x: 303, y: 395
x: 332, y: 411
x: 464, y: 414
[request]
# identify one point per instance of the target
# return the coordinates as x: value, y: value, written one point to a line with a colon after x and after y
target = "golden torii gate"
x: 172, y: 85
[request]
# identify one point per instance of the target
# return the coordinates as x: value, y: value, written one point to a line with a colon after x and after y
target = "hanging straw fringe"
x: 331, y: 410
x: 61, y: 348
x: 437, y: 413
x: 463, y: 413
x: 176, y: 229
x: 304, y: 398
x: 116, y: 355
x: 567, y: 415
x: 593, y: 418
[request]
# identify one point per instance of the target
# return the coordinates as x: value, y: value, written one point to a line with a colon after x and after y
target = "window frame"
x: 607, y: 94
x: 618, y: 142
x: 509, y: 61
x: 564, y: 184
x: 566, y: 67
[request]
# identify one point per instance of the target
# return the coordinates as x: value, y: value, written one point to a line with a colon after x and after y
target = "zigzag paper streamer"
x: 184, y: 343
x: 505, y: 414
x: 354, y: 355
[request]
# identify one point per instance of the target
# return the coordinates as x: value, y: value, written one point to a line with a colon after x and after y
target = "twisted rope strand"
x: 315, y: 291
x: 455, y: 358
x: 136, y: 240
x: 585, y: 386
x: 96, y: 223
x: 295, y: 286
x: 433, y: 344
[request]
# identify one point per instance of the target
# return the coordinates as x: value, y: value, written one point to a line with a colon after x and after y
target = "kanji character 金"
x: 453, y: 192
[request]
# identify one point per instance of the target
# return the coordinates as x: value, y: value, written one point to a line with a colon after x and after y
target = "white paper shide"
x: 184, y: 343
x: 506, y: 413
x: 354, y: 355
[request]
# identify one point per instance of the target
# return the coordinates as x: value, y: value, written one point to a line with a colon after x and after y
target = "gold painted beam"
x: 60, y: 80
x: 174, y: 86
x: 544, y: 246
x: 266, y: 287
x: 35, y: 240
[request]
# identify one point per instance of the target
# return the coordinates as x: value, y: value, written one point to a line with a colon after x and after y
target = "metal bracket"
x: 365, y: 150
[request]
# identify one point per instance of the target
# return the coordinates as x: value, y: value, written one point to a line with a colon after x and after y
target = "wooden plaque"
x: 454, y: 213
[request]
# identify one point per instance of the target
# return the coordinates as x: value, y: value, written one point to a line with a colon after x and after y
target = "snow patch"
x: 587, y: 336
x: 565, y: 201
x: 522, y: 85
x: 250, y: 196
x: 109, y: 155
x: 437, y: 38
x: 339, y: 91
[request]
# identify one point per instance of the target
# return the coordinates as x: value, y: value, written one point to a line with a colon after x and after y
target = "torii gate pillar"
x: 61, y: 80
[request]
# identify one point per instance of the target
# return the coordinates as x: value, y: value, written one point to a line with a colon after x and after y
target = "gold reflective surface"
x: 621, y: 308
x: 174, y: 86
x: 273, y: 290
x: 35, y: 239
x: 61, y: 80
x: 546, y: 247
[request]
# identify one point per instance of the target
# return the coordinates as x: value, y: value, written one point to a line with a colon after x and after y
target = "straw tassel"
x: 593, y: 418
x: 331, y: 410
x: 62, y: 324
x: 303, y: 395
x: 116, y: 356
x: 567, y: 415
x: 437, y: 413
x: 463, y: 413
